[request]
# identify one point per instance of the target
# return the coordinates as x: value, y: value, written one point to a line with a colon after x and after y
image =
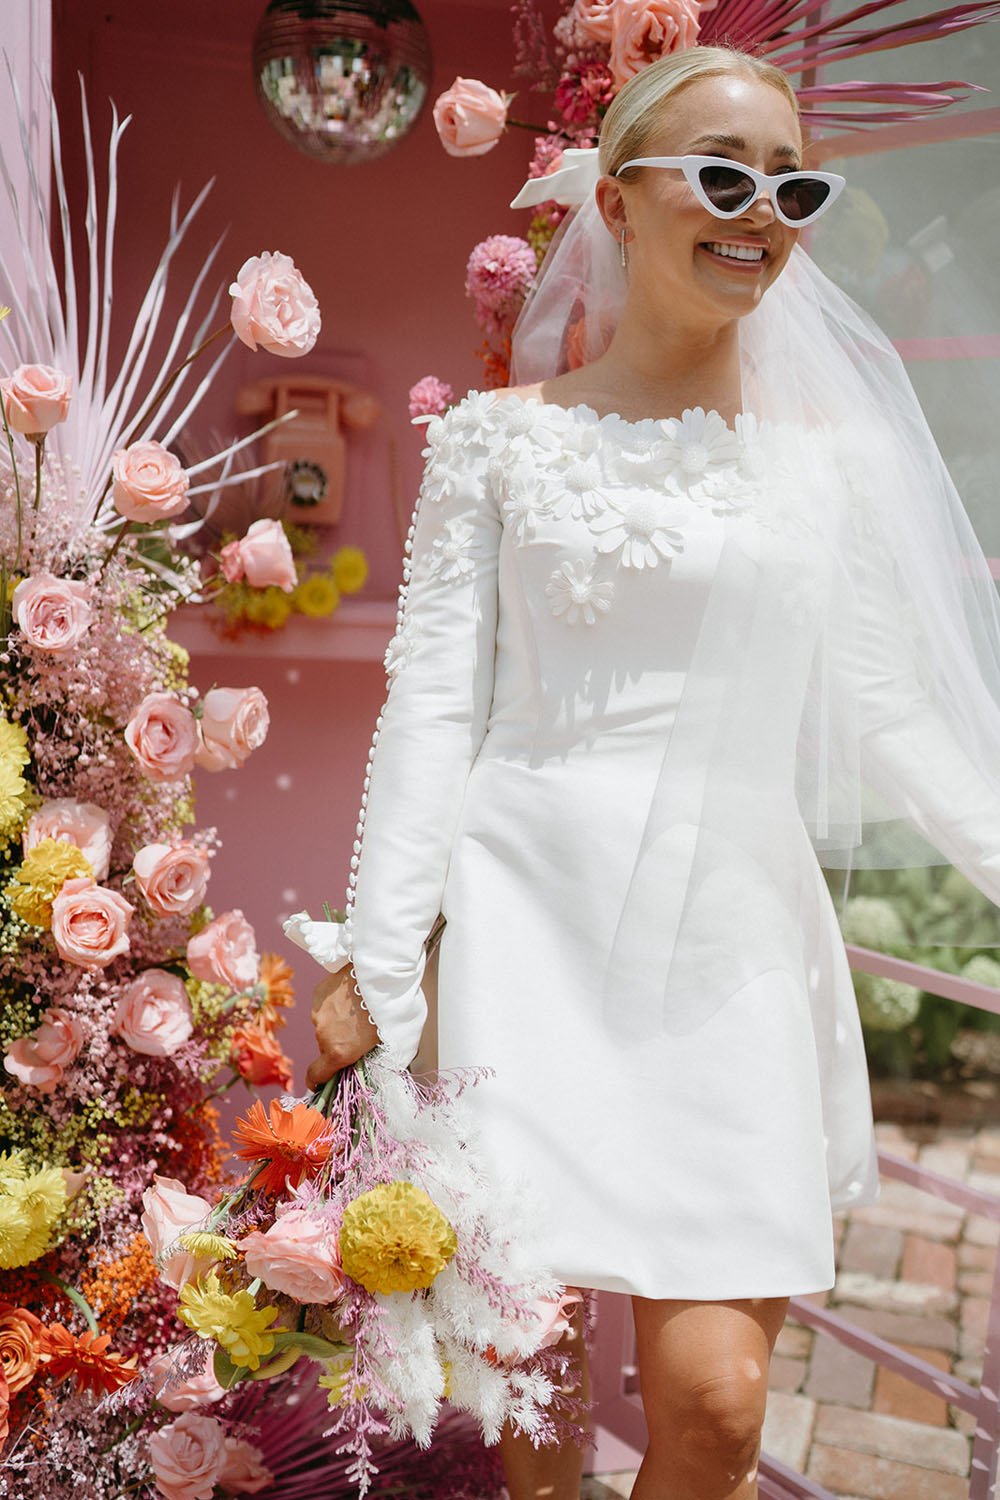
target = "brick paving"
x: 917, y: 1271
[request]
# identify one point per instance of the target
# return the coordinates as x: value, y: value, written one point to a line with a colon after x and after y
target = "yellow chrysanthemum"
x: 13, y: 797
x: 44, y: 1195
x: 13, y: 744
x: 341, y: 1389
x: 13, y: 1167
x: 395, y: 1239
x: 232, y: 1319
x: 316, y: 596
x: 271, y: 607
x: 29, y: 1208
x: 44, y: 870
x: 215, y: 1245
x: 350, y: 569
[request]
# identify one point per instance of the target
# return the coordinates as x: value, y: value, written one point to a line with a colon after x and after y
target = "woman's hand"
x: 344, y: 1029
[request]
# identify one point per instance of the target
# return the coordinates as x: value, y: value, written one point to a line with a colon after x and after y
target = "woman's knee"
x: 722, y: 1414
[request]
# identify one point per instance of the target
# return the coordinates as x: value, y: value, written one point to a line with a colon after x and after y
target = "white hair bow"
x: 571, y: 185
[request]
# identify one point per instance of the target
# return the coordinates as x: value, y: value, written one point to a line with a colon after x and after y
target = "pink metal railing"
x: 620, y: 1431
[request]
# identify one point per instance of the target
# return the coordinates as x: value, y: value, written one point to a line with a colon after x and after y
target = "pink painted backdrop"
x: 384, y: 247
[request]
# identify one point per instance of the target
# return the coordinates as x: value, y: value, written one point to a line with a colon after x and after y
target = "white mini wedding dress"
x: 587, y: 763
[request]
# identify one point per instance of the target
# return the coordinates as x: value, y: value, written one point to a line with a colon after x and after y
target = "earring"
x: 624, y: 262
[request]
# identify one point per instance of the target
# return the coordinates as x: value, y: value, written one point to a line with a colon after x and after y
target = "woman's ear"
x: 611, y: 206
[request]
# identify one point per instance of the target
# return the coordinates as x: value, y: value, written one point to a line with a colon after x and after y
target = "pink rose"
x: 234, y: 722
x: 188, y: 1457
x: 69, y: 822
x: 244, y: 1472
x: 183, y: 1392
x: 90, y: 924
x: 42, y: 1058
x: 555, y: 1315
x: 298, y: 1255
x: 169, y: 1210
x: 153, y: 1014
x: 643, y: 30
x: 35, y: 398
x: 172, y: 879
x: 263, y: 557
x: 470, y: 118
x: 163, y: 736
x: 274, y: 306
x: 430, y: 397
x: 53, y: 614
x: 149, y: 483
x: 593, y: 18
x: 225, y: 952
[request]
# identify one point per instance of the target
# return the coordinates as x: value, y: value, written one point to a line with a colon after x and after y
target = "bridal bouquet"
x: 367, y: 1240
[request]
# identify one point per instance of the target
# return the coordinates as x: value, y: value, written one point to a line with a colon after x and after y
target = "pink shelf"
x: 360, y: 630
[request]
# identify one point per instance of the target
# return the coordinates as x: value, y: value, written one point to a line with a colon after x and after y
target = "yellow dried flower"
x: 350, y: 569
x: 215, y: 1245
x: 316, y: 596
x: 232, y: 1319
x: 44, y: 870
x: 395, y: 1239
x: 13, y: 744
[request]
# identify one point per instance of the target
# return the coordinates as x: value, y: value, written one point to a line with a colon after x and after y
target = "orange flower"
x: 4, y: 1410
x: 291, y: 1143
x: 115, y: 1285
x: 279, y: 993
x: 88, y: 1359
x: 258, y: 1058
x: 22, y: 1342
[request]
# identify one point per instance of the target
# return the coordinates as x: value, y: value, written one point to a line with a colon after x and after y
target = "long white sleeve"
x: 433, y: 723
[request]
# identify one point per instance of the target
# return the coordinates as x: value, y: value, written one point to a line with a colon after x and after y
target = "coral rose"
x: 274, y: 306
x: 188, y: 1457
x: 42, y: 1058
x: 22, y: 1341
x: 90, y: 924
x: 244, y: 1472
x: 149, y: 483
x: 183, y: 1392
x: 263, y: 557
x: 298, y: 1255
x: 153, y: 1014
x: 172, y: 878
x: 643, y: 30
x: 168, y: 1210
x: 69, y: 822
x: 554, y: 1314
x: 593, y: 18
x: 162, y: 734
x: 53, y: 614
x: 35, y: 398
x: 4, y: 1410
x: 470, y: 117
x: 259, y: 1059
x: 234, y: 722
x: 225, y: 952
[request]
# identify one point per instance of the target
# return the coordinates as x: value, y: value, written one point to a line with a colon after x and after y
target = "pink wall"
x: 384, y: 248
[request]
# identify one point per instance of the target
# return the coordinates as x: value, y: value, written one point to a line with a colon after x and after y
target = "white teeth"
x: 737, y: 252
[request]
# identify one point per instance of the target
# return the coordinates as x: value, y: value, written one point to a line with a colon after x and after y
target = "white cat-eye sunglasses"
x: 727, y: 188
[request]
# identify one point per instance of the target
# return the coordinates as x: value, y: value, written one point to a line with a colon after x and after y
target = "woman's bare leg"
x: 703, y: 1370
x: 549, y: 1473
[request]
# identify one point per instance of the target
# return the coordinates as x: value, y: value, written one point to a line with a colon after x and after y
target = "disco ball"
x: 342, y: 79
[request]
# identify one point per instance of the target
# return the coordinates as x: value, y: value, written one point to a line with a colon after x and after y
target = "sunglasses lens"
x: 726, y: 188
x: 802, y: 197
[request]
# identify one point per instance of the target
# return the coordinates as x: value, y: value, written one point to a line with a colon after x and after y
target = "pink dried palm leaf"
x: 916, y: 101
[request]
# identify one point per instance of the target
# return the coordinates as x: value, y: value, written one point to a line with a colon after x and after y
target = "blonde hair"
x: 635, y: 113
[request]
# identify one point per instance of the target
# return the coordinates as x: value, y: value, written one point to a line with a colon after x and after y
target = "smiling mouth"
x: 750, y: 256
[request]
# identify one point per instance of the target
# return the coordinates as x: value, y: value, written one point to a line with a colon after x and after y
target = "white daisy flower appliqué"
x: 524, y: 502
x: 645, y: 527
x: 453, y: 553
x: 576, y: 595
x: 399, y: 652
x: 698, y: 439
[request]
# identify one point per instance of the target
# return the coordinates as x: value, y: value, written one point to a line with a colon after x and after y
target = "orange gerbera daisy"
x: 291, y: 1143
x: 87, y: 1358
x: 276, y: 981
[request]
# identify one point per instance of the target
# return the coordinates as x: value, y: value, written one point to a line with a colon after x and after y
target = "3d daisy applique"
x: 697, y: 440
x: 453, y: 555
x: 575, y: 594
x: 646, y: 527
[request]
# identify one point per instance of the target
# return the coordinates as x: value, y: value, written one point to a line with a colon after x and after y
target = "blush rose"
x: 173, y: 879
x: 263, y: 557
x: 153, y: 1014
x: 298, y: 1255
x: 90, y: 924
x: 225, y: 952
x: 188, y: 1457
x: 593, y: 18
x: 274, y: 306
x: 41, y: 1059
x: 183, y: 1392
x: 234, y: 722
x: 163, y: 736
x: 168, y: 1210
x: 149, y: 483
x: 81, y: 823
x: 36, y: 398
x: 470, y: 117
x: 244, y: 1471
x: 53, y: 614
x: 643, y: 30
x: 554, y: 1314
